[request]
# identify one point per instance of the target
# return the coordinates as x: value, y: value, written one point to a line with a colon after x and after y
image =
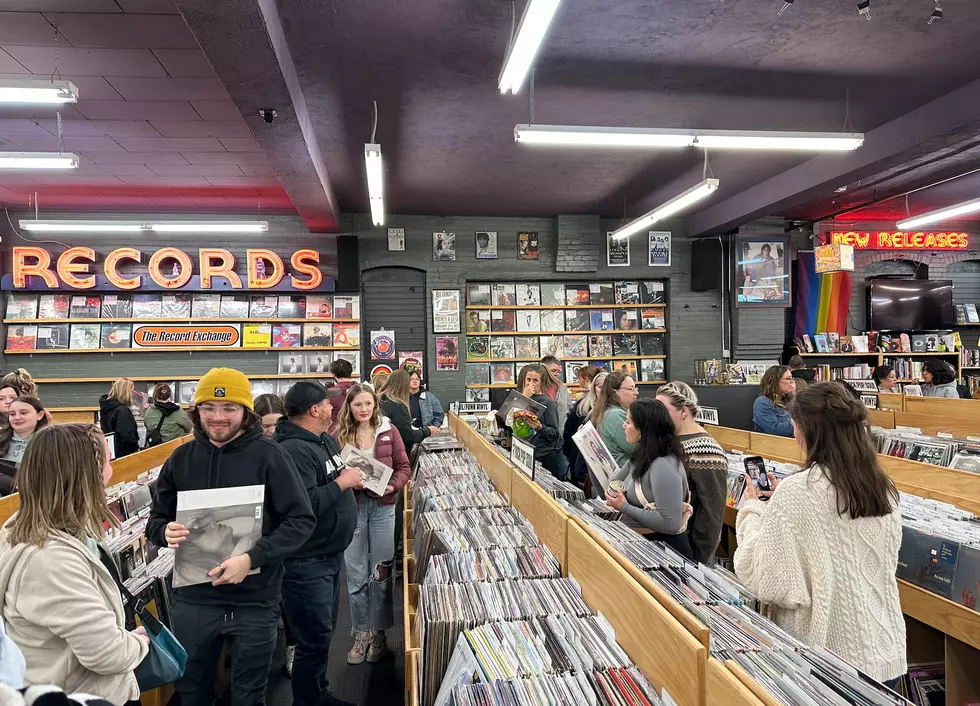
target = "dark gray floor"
x: 381, y: 684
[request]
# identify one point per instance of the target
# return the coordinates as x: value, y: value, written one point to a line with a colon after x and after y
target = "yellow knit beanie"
x: 224, y: 385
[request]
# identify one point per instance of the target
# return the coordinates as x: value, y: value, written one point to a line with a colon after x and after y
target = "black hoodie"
x: 115, y: 417
x: 251, y: 459
x: 317, y: 458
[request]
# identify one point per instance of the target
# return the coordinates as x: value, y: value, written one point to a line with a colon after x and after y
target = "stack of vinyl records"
x: 443, y: 441
x: 917, y: 447
x: 615, y: 687
x: 493, y: 565
x: 557, y: 489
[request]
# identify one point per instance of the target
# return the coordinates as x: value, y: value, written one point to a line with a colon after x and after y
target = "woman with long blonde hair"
x: 60, y: 603
x: 116, y: 417
x: 579, y: 414
x: 617, y: 393
x: 396, y: 403
x: 370, y: 555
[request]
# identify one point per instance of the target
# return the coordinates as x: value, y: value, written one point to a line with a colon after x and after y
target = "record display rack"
x: 617, y: 325
x: 675, y: 661
x: 875, y: 359
x: 939, y: 629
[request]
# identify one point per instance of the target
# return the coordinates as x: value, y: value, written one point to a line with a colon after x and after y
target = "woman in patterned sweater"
x: 707, y: 470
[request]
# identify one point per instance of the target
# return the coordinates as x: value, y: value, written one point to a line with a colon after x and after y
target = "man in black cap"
x: 311, y: 585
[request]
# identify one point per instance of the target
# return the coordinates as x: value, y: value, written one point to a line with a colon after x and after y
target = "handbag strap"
x: 150, y: 623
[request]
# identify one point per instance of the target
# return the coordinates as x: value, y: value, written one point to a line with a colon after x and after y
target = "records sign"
x: 522, y: 456
x: 181, y: 335
x: 445, y: 311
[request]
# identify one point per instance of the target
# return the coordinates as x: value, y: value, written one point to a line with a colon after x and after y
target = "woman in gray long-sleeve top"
x: 655, y: 477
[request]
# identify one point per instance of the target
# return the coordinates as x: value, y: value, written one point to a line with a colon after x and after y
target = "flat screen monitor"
x: 910, y: 305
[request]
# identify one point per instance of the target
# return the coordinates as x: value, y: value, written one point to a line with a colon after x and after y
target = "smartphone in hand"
x: 755, y: 466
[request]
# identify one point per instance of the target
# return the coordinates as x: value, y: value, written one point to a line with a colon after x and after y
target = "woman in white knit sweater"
x: 824, y: 549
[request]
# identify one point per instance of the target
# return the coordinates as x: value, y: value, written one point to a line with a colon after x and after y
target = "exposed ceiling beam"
x: 246, y: 45
x: 946, y: 120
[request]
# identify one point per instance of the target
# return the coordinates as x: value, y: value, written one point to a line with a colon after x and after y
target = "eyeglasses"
x: 226, y: 410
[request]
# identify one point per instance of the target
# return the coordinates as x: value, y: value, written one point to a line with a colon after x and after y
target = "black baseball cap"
x: 306, y: 394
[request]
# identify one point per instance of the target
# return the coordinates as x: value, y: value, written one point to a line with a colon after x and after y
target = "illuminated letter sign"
x: 258, y: 278
x: 224, y: 267
x: 900, y: 240
x: 307, y: 262
x: 176, y: 281
x: 68, y: 268
x: 111, y: 268
x: 40, y: 267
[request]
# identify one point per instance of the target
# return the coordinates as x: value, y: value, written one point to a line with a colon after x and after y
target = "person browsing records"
x: 425, y: 406
x: 395, y: 401
x: 547, y: 439
x: 655, y: 476
x: 167, y: 416
x: 228, y: 451
x: 618, y: 392
x: 311, y: 584
x: 769, y: 412
x: 116, y: 417
x: 578, y: 415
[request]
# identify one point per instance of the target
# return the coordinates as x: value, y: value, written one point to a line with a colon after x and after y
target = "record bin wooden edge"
x: 730, y: 438
x: 751, y: 684
x: 663, y: 649
x: 722, y: 686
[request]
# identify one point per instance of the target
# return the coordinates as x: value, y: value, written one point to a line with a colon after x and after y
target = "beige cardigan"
x: 64, y: 612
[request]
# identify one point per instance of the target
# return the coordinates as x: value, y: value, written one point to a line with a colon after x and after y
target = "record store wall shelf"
x: 615, y: 325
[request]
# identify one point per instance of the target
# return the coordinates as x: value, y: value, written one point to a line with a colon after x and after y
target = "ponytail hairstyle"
x: 588, y: 402
x: 681, y: 396
x: 834, y: 429
x: 21, y: 381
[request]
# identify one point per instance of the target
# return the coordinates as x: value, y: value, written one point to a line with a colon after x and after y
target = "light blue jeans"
x: 370, y: 562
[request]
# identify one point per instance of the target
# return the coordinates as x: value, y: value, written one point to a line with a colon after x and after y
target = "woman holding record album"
x: 547, y: 439
x: 652, y: 489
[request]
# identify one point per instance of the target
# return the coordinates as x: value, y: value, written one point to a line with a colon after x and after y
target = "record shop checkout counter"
x: 124, y: 469
x: 938, y: 629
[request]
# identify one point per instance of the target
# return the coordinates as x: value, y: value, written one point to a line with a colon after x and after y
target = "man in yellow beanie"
x: 241, y: 603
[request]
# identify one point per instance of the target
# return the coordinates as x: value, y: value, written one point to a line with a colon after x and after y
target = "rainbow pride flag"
x: 822, y: 301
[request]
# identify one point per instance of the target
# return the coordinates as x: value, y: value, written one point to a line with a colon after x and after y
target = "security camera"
x: 268, y: 114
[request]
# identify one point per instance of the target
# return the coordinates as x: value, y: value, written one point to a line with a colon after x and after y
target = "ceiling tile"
x: 74, y: 180
x: 242, y: 181
x: 199, y: 170
x: 148, y: 158
x: 257, y: 170
x: 25, y: 28
x: 11, y: 128
x: 188, y: 63
x: 100, y: 128
x: 72, y: 144
x: 136, y: 110
x: 240, y: 144
x: 168, y: 89
x: 256, y: 158
x: 149, y: 7
x: 119, y: 170
x: 171, y: 144
x: 124, y: 30
x: 9, y: 65
x: 103, y: 6
x: 216, y: 110
x: 93, y: 88
x: 88, y: 62
x: 202, y: 128
x: 169, y: 181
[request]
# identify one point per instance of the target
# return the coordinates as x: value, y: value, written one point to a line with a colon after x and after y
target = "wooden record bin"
x: 938, y: 629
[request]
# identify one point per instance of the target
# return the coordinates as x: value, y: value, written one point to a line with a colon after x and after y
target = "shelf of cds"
x: 613, y: 325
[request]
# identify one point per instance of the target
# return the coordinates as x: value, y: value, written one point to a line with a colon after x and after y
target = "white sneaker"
x: 287, y: 666
x: 358, y: 652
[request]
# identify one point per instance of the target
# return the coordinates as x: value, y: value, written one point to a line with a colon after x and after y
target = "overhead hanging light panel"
x: 590, y: 136
x: 373, y: 164
x: 38, y: 160
x: 943, y: 214
x: 59, y: 226
x: 37, y: 91
x: 668, y: 209
x: 524, y: 47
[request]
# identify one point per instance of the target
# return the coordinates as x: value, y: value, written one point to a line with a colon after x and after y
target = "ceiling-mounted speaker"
x: 348, y: 264
x: 705, y: 265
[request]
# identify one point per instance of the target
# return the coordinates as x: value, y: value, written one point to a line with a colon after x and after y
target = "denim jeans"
x: 311, y: 599
x: 370, y: 562
x: 202, y: 629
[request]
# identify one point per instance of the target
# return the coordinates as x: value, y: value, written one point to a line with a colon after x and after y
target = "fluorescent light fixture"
x: 38, y: 160
x: 372, y: 162
x: 590, y: 136
x: 530, y: 34
x: 943, y: 214
x: 37, y: 91
x: 668, y: 209
x: 140, y: 227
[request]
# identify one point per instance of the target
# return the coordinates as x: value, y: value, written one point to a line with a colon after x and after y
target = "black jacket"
x: 287, y: 521
x: 317, y: 458
x: 572, y: 422
x: 116, y: 417
x: 401, y: 419
x: 548, y: 439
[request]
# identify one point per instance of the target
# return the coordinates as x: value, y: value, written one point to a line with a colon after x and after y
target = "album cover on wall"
x: 576, y: 295
x: 602, y: 293
x: 552, y: 345
x: 653, y: 318
x: 206, y: 306
x: 262, y: 387
x: 477, y: 321
x: 85, y: 307
x: 480, y: 394
x: 85, y: 336
x: 601, y: 320
x: 504, y: 294
x: 503, y: 321
x: 52, y: 337
x: 552, y: 320
x: 53, y: 306
x: 627, y: 367
x: 600, y: 346
x: 292, y: 307
x: 528, y: 295
x: 257, y: 335
x: 317, y: 335
x: 147, y: 306
x: 651, y: 370
x: 318, y: 363
x: 502, y: 347
x: 116, y: 336
x: 529, y: 320
x: 234, y: 306
x: 187, y: 388
x: 283, y: 386
x: 176, y: 306
x: 117, y: 306
x: 478, y: 294
x: 477, y: 374
x: 292, y: 363
x: 652, y: 344
x: 576, y: 346
x: 527, y: 245
x: 652, y: 292
x: 577, y: 320
x: 263, y: 307
x: 319, y: 306
x: 502, y: 373
x: 352, y: 357
x: 572, y: 368
x: 628, y: 292
x: 478, y: 347
x: 526, y: 347
x: 346, y: 335
x: 22, y: 338
x: 625, y: 344
x: 552, y: 294
x: 625, y: 320
x: 347, y: 307
x: 21, y: 306
x: 286, y: 335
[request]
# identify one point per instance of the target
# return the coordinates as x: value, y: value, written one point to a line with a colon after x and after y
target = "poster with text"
x: 617, y: 251
x: 443, y: 246
x: 411, y: 360
x: 447, y: 353
x: 527, y: 245
x: 486, y: 245
x: 382, y: 345
x: 396, y: 239
x: 445, y: 311
x: 659, y: 248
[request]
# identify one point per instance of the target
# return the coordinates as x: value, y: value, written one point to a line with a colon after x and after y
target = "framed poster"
x: 443, y: 246
x: 617, y: 251
x: 527, y: 245
x: 762, y: 271
x: 445, y: 311
x: 659, y: 248
x: 447, y: 353
x: 396, y: 239
x: 486, y: 245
